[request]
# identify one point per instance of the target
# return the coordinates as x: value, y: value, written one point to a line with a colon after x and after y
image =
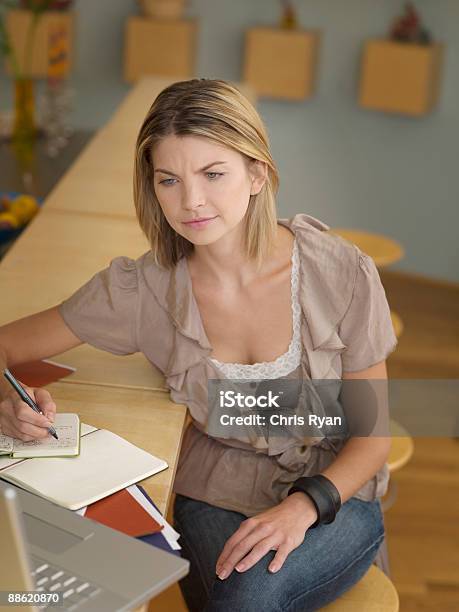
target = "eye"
x: 210, y: 175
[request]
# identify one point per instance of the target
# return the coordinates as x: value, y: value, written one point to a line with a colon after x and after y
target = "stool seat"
x: 402, y: 447
x: 397, y: 323
x: 383, y: 250
x: 373, y: 593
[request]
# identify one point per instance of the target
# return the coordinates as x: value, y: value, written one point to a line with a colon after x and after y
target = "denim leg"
x: 204, y: 530
x: 331, y: 559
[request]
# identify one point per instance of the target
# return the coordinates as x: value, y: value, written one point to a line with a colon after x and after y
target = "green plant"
x: 37, y: 8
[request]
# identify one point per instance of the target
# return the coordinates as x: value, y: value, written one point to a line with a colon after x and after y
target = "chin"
x: 202, y: 240
x: 203, y: 236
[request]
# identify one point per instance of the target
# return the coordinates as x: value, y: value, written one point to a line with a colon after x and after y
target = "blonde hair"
x: 217, y: 110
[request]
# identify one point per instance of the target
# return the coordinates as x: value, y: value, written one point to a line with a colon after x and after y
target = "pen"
x: 25, y: 397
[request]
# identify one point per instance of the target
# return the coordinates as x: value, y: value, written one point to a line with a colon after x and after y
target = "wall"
x: 348, y: 166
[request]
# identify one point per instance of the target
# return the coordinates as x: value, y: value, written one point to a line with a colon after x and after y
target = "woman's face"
x: 201, y: 199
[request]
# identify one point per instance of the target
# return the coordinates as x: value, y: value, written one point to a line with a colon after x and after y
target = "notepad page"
x: 6, y: 444
x: 67, y: 426
x: 106, y: 464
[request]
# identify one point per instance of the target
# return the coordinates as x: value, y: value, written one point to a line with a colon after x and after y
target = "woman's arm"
x: 360, y: 458
x: 283, y: 527
x: 38, y: 336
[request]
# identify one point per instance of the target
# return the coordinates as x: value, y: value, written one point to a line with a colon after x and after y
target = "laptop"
x: 54, y: 552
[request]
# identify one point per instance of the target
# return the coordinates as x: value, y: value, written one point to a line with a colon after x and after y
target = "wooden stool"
x: 373, y: 593
x: 397, y: 323
x: 383, y: 250
x: 402, y: 448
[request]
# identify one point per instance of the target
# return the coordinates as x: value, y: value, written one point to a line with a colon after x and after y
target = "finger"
x: 244, y: 529
x: 241, y: 549
x: 24, y: 413
x: 257, y: 553
x: 23, y: 431
x: 45, y: 403
x: 36, y: 433
x: 279, y: 558
x: 6, y: 407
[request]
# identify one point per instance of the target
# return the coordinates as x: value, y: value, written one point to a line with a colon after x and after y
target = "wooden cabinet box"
x: 281, y: 63
x: 17, y: 24
x: 399, y: 77
x: 159, y: 47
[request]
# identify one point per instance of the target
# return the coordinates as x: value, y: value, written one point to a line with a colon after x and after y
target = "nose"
x: 192, y: 198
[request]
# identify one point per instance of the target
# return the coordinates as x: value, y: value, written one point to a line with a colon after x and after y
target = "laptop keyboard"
x: 74, y: 590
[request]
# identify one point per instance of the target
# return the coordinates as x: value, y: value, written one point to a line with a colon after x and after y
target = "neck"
x: 224, y: 263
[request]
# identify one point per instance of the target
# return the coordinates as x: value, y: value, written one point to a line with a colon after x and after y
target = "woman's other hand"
x: 281, y: 528
x: 18, y: 420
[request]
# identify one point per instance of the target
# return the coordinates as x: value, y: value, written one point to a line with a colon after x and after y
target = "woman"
x: 227, y: 291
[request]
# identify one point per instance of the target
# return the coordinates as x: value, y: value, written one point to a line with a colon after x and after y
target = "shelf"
x: 281, y: 63
x: 17, y: 24
x: 159, y: 47
x: 400, y: 77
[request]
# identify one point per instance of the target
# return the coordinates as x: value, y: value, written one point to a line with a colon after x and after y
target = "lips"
x: 199, y: 219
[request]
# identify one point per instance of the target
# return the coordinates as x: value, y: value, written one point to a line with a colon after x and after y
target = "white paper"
x: 107, y: 463
x: 168, y: 532
x: 61, y: 365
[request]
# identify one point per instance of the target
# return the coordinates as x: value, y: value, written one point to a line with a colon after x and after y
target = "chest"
x: 251, y: 325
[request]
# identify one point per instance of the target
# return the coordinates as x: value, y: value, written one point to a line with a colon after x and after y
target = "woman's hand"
x: 18, y: 420
x: 281, y: 528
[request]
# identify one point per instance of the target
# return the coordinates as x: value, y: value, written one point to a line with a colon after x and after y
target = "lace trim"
x: 291, y: 359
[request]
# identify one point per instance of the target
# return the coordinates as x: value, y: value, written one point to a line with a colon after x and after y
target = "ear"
x: 259, y: 174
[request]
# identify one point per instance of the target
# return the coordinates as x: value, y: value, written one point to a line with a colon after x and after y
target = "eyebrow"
x: 201, y: 170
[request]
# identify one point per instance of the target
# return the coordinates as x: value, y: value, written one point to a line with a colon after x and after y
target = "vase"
x: 24, y: 129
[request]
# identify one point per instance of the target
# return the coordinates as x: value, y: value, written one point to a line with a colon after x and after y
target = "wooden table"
x: 40, y: 173
x: 146, y: 418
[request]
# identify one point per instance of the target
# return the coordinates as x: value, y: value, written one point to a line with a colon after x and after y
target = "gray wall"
x: 347, y: 166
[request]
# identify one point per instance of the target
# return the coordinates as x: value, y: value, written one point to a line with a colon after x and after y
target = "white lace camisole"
x: 285, y: 363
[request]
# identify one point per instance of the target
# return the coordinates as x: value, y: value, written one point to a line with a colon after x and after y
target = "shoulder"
x: 140, y: 279
x: 325, y: 253
x: 121, y: 272
x: 154, y: 280
x: 329, y: 267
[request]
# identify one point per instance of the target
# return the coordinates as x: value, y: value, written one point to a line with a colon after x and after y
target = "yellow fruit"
x: 23, y: 208
x: 5, y: 202
x: 8, y: 221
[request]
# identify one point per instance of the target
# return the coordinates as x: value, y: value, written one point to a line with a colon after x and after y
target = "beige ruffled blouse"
x: 134, y: 305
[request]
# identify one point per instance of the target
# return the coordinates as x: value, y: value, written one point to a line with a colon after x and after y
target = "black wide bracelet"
x: 323, y: 494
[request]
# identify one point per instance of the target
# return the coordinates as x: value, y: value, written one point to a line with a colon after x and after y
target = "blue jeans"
x: 331, y: 559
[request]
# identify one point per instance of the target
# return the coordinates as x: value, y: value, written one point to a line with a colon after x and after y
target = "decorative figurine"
x: 408, y: 27
x: 288, y: 19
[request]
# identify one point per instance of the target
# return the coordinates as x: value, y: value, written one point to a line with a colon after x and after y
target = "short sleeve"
x: 103, y: 312
x: 366, y: 328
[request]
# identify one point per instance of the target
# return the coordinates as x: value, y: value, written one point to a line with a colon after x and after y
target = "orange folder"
x: 40, y: 373
x: 122, y: 512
